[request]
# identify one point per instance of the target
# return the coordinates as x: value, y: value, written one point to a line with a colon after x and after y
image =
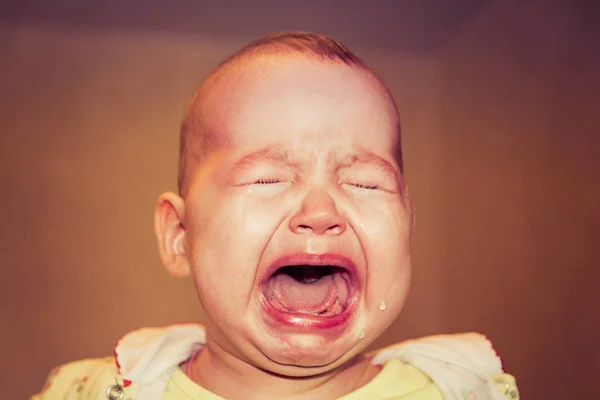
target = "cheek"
x: 227, y: 239
x: 385, y: 235
x: 385, y: 227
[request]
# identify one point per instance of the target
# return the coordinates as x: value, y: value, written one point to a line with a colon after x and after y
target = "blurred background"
x: 500, y: 104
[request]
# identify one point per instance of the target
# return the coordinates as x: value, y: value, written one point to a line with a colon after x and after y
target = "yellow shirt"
x: 395, y: 381
x: 91, y: 379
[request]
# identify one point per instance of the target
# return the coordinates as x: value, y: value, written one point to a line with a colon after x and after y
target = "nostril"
x: 335, y: 229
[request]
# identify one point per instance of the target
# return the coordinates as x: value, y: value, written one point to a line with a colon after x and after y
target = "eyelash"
x: 364, y: 186
x: 266, y: 181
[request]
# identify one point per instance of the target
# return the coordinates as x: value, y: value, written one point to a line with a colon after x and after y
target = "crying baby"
x: 294, y: 221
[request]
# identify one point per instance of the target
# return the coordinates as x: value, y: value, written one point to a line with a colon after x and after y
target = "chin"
x: 309, y: 350
x: 303, y: 357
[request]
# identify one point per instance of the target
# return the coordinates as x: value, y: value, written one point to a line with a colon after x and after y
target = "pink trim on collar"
x: 188, y: 368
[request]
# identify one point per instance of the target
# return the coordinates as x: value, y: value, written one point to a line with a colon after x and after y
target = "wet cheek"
x: 382, y: 224
x: 262, y: 216
x: 256, y: 222
x: 384, y: 234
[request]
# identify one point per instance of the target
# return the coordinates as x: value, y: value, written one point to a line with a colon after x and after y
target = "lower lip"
x: 308, y: 322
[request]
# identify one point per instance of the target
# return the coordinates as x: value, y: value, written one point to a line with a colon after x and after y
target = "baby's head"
x: 292, y: 217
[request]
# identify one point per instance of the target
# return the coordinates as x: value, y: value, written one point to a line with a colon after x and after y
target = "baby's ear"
x: 170, y: 234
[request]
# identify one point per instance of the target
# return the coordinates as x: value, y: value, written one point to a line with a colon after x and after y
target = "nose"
x: 318, y: 215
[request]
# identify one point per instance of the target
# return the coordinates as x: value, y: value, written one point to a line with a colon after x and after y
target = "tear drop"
x: 382, y: 305
x: 362, y: 335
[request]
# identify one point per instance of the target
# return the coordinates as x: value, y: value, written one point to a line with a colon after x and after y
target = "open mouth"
x: 311, y: 287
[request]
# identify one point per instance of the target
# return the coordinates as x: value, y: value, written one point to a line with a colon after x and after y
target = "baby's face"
x: 297, y: 222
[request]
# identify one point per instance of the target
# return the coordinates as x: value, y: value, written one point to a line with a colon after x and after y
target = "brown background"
x: 500, y: 104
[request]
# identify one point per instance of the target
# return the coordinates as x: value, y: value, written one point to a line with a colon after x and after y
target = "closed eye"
x: 266, y: 187
x: 365, y: 186
x: 266, y: 181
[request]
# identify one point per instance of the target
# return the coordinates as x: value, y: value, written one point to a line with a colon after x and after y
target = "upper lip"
x: 326, y: 259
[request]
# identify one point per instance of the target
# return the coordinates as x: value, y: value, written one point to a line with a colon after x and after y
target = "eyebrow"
x: 273, y: 154
x: 364, y: 156
x: 281, y: 156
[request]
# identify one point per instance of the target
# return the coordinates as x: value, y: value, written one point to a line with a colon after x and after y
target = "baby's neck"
x: 219, y: 372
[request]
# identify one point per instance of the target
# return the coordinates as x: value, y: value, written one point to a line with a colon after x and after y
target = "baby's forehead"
x: 277, y: 82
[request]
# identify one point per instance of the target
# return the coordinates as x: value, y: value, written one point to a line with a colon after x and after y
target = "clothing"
x: 146, y: 366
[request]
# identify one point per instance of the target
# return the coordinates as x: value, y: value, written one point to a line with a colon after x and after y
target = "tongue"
x: 307, y: 298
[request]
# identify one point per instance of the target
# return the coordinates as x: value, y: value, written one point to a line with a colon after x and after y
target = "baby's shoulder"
x: 464, y: 364
x: 88, y: 379
x: 141, y: 367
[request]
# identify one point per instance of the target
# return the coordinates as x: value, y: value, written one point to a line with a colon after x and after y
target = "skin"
x: 303, y: 158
